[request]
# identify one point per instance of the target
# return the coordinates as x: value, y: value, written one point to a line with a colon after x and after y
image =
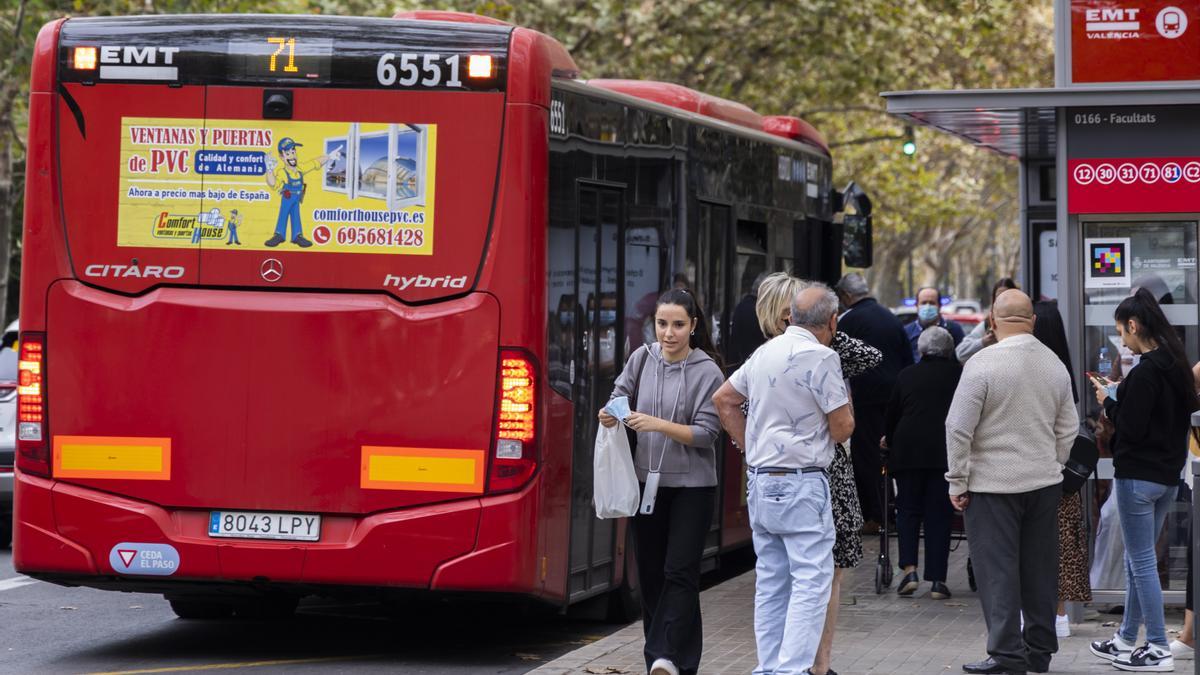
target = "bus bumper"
x: 67, y: 534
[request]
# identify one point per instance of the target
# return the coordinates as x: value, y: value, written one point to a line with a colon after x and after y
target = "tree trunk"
x: 884, y: 278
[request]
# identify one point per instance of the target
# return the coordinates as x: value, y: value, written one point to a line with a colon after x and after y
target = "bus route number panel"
x: 259, y: 525
x: 281, y: 57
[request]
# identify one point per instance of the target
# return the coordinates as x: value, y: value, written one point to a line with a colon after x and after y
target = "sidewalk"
x: 876, y: 633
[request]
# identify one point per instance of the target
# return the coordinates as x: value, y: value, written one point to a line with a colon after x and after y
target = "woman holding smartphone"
x: 677, y: 427
x: 1150, y: 410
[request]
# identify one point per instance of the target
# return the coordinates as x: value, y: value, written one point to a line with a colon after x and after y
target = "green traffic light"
x: 910, y: 148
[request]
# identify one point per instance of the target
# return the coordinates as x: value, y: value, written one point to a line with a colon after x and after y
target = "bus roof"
x: 561, y: 63
x: 679, y: 96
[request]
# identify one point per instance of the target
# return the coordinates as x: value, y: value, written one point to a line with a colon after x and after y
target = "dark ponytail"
x: 701, y: 337
x: 1143, y: 307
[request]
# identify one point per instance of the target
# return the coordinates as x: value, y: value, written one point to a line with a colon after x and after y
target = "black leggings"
x: 670, y: 542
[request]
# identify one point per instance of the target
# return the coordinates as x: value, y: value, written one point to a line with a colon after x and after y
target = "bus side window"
x: 751, y: 254
x: 706, y: 254
x: 645, y: 250
x: 563, y: 311
x: 785, y: 248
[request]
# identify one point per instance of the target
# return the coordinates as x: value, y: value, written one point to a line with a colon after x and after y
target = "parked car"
x: 968, y: 320
x: 962, y: 307
x: 905, y: 313
x: 8, y: 429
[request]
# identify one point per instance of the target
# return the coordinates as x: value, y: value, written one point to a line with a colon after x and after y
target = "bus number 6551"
x: 407, y: 70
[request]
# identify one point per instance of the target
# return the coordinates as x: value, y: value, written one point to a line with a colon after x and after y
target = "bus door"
x: 599, y: 357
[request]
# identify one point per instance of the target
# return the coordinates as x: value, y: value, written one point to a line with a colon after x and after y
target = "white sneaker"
x: 1182, y: 652
x: 1147, y: 658
x: 663, y: 667
x: 1112, y: 648
x: 1062, y: 626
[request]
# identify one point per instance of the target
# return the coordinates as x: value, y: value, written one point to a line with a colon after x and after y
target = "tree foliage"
x: 951, y: 209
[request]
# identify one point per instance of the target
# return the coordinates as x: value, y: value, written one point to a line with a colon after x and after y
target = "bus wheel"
x: 625, y: 603
x: 192, y: 608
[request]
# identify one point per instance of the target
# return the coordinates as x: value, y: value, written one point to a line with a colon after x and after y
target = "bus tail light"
x: 33, y: 447
x: 84, y: 58
x: 515, y: 457
x: 479, y: 66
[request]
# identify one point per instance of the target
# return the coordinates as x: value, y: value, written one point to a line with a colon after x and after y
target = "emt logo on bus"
x: 138, y: 55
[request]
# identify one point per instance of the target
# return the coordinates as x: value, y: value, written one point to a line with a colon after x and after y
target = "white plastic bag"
x: 615, y: 484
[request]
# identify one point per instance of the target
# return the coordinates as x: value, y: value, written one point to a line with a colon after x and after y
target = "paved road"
x: 51, y: 629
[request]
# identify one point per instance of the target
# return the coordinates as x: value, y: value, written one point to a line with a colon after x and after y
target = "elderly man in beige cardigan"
x: 1009, y: 430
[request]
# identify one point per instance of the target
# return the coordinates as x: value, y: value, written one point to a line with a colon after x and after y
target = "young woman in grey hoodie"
x: 677, y: 427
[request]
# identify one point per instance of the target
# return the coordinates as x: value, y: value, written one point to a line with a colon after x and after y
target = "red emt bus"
x: 323, y: 305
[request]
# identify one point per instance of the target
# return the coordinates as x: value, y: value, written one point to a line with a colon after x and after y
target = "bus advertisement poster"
x: 342, y: 187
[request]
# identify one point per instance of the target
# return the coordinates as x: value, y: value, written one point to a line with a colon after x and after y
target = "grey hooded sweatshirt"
x: 681, y: 393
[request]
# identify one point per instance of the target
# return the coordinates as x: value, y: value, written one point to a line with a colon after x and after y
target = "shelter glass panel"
x: 1119, y: 257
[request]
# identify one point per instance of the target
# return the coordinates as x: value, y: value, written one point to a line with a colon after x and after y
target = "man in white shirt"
x: 799, y: 408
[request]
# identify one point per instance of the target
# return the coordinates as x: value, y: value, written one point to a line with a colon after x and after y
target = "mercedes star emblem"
x: 271, y: 270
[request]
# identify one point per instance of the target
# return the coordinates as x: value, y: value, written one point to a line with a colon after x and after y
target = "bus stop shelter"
x: 1109, y: 187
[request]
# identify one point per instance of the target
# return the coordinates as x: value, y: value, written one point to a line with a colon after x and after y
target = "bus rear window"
x: 299, y: 152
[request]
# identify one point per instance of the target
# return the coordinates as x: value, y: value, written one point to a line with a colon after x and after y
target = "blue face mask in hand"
x: 927, y: 313
x: 618, y: 407
x: 1111, y: 390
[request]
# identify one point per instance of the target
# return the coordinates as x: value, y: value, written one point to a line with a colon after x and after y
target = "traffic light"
x: 910, y: 142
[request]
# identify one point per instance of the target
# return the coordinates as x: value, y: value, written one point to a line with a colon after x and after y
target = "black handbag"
x: 637, y: 384
x: 1082, y: 462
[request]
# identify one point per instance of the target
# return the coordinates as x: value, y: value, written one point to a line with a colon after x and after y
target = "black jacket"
x: 915, y: 425
x: 875, y: 325
x: 745, y: 333
x: 1152, y: 420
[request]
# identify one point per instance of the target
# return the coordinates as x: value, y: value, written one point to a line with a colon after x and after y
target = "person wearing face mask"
x: 675, y: 461
x: 929, y: 313
x: 1151, y: 411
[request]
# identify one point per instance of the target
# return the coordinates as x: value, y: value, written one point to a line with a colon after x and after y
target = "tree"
x: 826, y: 60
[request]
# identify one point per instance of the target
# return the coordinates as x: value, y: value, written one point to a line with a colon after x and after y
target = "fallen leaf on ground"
x: 527, y: 657
x: 1109, y: 624
x: 955, y: 604
x: 604, y: 670
x: 68, y: 607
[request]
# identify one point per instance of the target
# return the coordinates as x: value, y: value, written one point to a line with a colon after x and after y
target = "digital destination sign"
x: 281, y: 57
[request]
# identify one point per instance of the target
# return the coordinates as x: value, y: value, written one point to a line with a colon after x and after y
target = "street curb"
x: 575, y: 661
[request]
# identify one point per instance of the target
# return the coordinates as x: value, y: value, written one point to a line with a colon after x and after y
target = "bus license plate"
x: 257, y: 525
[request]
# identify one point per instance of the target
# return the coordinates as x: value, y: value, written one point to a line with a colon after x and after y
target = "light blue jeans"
x: 792, y: 523
x: 1142, y: 507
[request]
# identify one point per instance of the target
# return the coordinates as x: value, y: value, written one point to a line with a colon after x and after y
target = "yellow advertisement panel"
x: 343, y: 187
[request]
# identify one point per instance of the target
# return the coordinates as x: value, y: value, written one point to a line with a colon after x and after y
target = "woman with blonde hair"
x: 773, y: 307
